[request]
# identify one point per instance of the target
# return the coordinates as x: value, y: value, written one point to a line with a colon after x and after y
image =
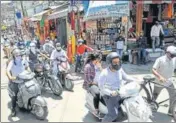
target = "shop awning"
x: 58, y: 14
x: 156, y: 1
x: 105, y: 9
x: 34, y: 19
x: 40, y: 15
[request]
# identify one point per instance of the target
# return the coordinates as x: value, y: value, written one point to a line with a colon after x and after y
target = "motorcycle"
x: 46, y: 79
x: 132, y: 104
x: 80, y: 64
x: 65, y: 78
x: 29, y: 95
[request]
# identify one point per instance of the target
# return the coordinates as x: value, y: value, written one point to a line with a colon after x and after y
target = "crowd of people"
x: 98, y: 80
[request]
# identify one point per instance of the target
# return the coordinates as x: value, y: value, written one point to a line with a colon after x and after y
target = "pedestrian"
x: 142, y: 45
x: 156, y: 30
x: 120, y: 45
x: 110, y: 81
x: 163, y: 69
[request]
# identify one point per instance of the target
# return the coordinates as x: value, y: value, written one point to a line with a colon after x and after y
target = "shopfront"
x: 58, y: 25
x: 109, y: 19
x: 151, y: 11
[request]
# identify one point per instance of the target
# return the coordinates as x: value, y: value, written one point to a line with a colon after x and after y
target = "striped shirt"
x: 89, y: 75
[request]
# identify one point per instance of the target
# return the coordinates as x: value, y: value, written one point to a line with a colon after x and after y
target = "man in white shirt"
x: 155, y: 34
x: 163, y: 69
x: 56, y: 55
x: 120, y: 45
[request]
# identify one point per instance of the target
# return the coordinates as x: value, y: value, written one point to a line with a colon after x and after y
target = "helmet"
x: 80, y: 41
x: 58, y: 45
x: 16, y: 52
x: 111, y: 56
x: 171, y: 50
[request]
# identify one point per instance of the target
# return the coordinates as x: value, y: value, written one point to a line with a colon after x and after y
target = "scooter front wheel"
x: 40, y: 112
x: 69, y: 84
x: 56, y: 87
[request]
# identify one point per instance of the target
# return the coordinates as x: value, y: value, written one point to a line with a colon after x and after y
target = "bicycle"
x: 150, y: 97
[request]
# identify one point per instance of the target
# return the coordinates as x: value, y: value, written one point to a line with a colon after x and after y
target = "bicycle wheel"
x: 145, y: 93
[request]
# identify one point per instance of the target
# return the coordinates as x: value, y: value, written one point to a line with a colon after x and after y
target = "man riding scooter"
x: 110, y: 81
x: 81, y: 49
x: 56, y: 55
x: 16, y: 66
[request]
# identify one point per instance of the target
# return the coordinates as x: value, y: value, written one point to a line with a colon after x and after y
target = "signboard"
x: 113, y: 10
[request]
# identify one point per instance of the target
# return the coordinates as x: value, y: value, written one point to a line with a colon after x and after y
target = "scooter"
x: 29, y: 95
x: 45, y: 77
x: 65, y: 78
x: 132, y: 104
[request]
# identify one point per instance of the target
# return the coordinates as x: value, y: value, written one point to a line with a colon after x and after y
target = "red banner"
x: 72, y: 20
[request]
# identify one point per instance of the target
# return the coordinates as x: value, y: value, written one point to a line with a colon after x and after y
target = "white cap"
x: 171, y: 49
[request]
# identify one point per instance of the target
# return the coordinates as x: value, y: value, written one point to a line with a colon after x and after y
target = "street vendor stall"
x: 110, y: 22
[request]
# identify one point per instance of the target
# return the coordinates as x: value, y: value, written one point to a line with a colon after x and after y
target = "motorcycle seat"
x: 148, y: 78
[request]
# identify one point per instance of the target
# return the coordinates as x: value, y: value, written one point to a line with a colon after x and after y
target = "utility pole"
x: 22, y: 8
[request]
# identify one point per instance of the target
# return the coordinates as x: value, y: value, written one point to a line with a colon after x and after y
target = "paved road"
x: 70, y: 107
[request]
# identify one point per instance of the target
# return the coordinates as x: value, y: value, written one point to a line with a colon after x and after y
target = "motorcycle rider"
x: 163, y: 69
x: 16, y: 66
x: 56, y: 55
x: 32, y: 56
x: 48, y: 47
x: 110, y: 81
x: 81, y: 49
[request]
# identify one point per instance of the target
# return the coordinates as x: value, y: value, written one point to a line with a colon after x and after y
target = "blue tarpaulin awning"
x: 105, y: 9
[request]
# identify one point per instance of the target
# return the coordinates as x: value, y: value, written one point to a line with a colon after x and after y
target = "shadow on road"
x: 161, y: 117
x: 49, y: 94
x: 90, y: 118
x: 22, y: 116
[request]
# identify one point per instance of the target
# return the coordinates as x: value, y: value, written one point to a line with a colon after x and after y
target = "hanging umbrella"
x: 106, y: 9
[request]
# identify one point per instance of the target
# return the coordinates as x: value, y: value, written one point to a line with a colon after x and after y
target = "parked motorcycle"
x: 46, y: 79
x: 131, y: 104
x: 65, y: 78
x: 29, y: 95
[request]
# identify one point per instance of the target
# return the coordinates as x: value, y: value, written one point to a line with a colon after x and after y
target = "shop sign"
x: 117, y: 10
x: 146, y: 7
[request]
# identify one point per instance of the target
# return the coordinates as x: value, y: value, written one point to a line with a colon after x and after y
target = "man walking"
x: 155, y: 34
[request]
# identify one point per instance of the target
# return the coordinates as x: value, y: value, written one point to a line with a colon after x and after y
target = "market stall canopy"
x: 105, y: 9
x: 156, y: 1
x: 40, y: 15
x: 58, y: 14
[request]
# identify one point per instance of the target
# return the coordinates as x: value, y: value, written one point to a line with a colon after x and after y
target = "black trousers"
x: 96, y: 94
x: 14, y: 87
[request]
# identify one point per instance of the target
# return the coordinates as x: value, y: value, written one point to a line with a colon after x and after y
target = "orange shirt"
x: 82, y: 48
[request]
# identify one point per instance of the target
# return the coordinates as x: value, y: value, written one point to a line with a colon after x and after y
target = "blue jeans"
x: 142, y: 53
x: 155, y: 42
x: 120, y: 52
x: 78, y: 62
x: 112, y: 104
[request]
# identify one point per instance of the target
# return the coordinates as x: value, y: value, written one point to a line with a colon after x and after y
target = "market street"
x: 70, y: 107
